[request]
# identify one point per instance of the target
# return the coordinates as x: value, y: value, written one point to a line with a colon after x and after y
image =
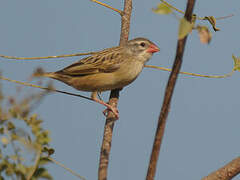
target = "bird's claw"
x: 114, y: 111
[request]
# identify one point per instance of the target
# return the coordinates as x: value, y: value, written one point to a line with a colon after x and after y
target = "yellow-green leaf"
x: 236, y: 63
x: 4, y: 140
x: 10, y: 126
x: 212, y: 21
x: 185, y: 28
x: 193, y: 20
x: 43, y: 161
x: 205, y: 35
x: 1, y: 130
x: 42, y: 173
x: 21, y: 168
x: 162, y: 9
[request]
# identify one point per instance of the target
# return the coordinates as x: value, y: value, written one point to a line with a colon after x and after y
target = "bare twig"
x: 107, y: 6
x: 227, y: 172
x: 171, y: 6
x: 113, y: 100
x: 217, y: 18
x: 199, y: 18
x: 34, y: 168
x: 193, y: 74
x: 46, y: 57
x: 167, y: 98
x: 66, y: 168
x: 224, y: 17
x: 44, y: 88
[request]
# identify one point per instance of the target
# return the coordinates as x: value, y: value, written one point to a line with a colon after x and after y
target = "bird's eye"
x: 142, y: 44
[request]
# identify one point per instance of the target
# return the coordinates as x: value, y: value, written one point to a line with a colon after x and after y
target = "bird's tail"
x: 57, y: 76
x: 39, y: 72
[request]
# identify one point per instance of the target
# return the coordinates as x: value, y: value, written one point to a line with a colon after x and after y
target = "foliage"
x: 22, y: 139
x: 186, y: 27
x: 162, y: 9
x: 236, y: 63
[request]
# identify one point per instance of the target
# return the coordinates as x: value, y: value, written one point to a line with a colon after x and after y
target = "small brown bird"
x: 108, y: 69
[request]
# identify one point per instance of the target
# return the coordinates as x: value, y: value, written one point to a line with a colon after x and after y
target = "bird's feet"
x: 113, y: 109
x: 109, y: 108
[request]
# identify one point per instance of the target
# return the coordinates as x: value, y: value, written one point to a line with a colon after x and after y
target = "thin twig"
x: 167, y: 98
x: 46, y: 57
x: 224, y: 17
x: 193, y: 74
x: 171, y: 6
x: 113, y: 99
x: 44, y: 88
x: 217, y: 18
x: 107, y: 6
x: 37, y: 159
x: 227, y: 172
x: 66, y: 168
x: 199, y: 18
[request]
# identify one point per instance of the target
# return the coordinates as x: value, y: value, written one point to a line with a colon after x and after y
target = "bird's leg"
x: 109, y: 107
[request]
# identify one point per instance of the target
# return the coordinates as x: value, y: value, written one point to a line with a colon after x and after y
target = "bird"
x: 108, y: 69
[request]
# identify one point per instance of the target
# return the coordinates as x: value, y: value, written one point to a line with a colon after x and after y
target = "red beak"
x: 153, y: 48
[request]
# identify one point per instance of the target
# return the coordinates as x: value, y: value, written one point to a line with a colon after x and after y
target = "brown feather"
x: 107, y: 61
x: 108, y: 69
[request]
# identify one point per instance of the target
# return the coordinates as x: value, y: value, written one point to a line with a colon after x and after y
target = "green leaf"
x: 12, y: 163
x: 10, y: 169
x: 236, y: 63
x: 193, y: 20
x: 10, y: 126
x: 212, y: 21
x: 42, y: 173
x: 4, y: 141
x: 1, y: 130
x: 185, y: 28
x: 162, y: 9
x: 43, y: 161
x: 21, y: 169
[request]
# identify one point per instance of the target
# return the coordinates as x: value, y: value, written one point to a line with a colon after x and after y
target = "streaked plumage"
x: 108, y: 69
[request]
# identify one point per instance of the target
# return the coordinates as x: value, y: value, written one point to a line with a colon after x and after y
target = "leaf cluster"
x: 22, y: 139
x: 186, y: 27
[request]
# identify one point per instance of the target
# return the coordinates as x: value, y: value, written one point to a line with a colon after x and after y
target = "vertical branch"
x: 113, y: 99
x: 125, y: 24
x: 167, y: 98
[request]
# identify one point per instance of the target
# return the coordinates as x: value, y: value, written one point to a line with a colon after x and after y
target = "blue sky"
x: 203, y: 125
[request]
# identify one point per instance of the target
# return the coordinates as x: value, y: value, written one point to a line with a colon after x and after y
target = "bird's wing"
x: 107, y: 61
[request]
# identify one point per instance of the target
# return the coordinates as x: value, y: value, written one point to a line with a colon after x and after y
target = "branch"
x: 34, y: 168
x: 227, y: 172
x: 107, y: 6
x: 66, y: 168
x: 113, y: 99
x: 46, y: 57
x: 194, y: 74
x: 167, y: 98
x: 44, y: 88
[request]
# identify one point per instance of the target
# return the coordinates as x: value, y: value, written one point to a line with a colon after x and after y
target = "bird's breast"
x: 123, y: 76
x: 128, y: 72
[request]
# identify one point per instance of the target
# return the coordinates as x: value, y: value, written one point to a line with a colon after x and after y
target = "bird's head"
x: 142, y: 48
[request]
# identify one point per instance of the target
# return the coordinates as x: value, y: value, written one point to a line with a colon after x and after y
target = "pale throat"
x: 144, y: 57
